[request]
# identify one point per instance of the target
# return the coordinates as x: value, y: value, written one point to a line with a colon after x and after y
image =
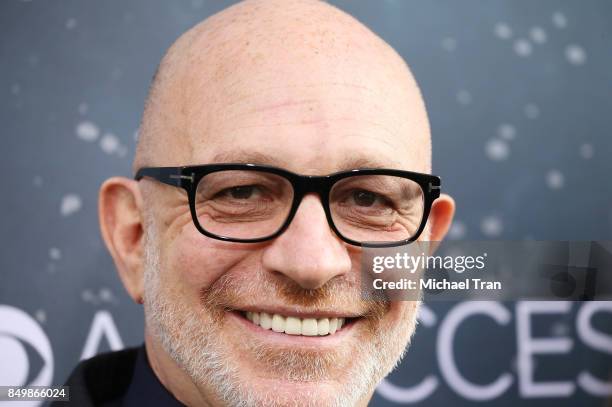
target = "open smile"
x: 293, y: 325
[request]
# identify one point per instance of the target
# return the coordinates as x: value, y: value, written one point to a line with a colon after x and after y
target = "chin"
x: 253, y: 391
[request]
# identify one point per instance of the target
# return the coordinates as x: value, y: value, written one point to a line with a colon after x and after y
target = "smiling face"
x: 283, y: 321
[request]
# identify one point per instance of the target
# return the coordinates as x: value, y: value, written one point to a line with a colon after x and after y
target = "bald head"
x: 267, y: 57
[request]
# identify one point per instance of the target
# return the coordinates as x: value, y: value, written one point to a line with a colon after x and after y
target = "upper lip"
x: 299, y: 312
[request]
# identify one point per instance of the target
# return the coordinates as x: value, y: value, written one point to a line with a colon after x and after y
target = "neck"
x: 170, y: 374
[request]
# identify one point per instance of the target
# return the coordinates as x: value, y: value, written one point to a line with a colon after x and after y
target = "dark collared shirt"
x: 145, y: 388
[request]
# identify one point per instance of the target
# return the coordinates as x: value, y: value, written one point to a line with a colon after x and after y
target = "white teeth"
x: 265, y: 320
x: 323, y: 326
x: 294, y: 325
x: 309, y: 327
x: 333, y: 325
x: 278, y: 323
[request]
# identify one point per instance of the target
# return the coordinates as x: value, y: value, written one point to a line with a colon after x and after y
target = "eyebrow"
x: 361, y: 161
x: 239, y: 156
x: 350, y: 162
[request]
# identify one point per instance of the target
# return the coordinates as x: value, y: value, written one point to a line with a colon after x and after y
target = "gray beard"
x: 195, y: 345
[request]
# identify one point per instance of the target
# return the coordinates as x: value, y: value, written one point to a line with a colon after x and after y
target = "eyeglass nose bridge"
x: 307, y: 184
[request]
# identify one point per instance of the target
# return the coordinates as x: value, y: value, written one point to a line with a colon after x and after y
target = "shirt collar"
x: 145, y: 388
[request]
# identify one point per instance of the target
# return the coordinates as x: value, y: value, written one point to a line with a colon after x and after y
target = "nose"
x: 308, y: 252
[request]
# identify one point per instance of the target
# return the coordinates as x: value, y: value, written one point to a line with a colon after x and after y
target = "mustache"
x: 342, y: 293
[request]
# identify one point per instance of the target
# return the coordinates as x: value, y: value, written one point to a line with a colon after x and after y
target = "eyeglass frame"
x: 188, y: 178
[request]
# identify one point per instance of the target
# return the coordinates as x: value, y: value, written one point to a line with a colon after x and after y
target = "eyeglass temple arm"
x: 434, y: 187
x: 168, y: 175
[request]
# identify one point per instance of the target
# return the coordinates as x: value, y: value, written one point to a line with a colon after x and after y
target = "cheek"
x: 195, y: 261
x: 401, y: 312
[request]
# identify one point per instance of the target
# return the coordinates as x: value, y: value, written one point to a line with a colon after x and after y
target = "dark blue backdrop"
x: 519, y: 96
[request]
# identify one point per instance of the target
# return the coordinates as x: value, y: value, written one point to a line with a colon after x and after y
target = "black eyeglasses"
x: 251, y: 203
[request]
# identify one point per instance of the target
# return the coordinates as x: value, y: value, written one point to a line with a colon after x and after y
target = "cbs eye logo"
x: 23, y: 347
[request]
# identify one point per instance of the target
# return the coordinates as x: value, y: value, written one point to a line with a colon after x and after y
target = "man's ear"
x: 121, y: 224
x: 440, y: 219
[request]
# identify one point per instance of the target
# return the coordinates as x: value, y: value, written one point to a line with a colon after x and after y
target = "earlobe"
x: 119, y: 206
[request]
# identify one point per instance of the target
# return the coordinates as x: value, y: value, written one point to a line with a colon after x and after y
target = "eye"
x: 242, y: 192
x: 367, y: 198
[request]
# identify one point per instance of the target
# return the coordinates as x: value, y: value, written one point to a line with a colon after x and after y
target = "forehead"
x: 306, y: 111
x: 309, y: 127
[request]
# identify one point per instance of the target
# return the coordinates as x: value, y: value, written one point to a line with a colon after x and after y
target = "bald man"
x: 278, y: 140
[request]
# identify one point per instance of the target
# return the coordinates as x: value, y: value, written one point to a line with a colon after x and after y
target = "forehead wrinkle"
x: 327, y: 119
x: 289, y: 103
x: 285, y: 101
x: 324, y: 85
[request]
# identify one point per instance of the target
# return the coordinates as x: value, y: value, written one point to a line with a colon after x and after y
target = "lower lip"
x: 294, y: 340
